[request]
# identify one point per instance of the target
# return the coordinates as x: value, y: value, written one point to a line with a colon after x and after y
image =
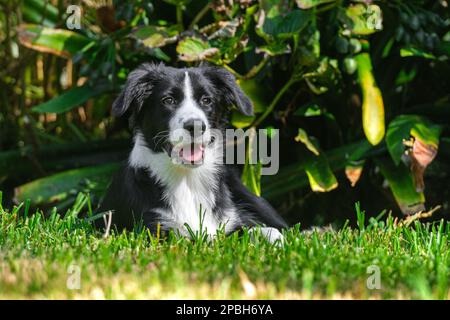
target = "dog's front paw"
x: 270, y: 234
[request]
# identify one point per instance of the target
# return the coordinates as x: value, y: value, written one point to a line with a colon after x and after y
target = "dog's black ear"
x: 138, y: 87
x: 226, y: 84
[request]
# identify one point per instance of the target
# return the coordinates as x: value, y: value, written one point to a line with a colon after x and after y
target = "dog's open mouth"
x: 192, y: 153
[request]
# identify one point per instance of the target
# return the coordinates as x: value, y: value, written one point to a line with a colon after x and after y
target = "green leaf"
x: 286, y: 26
x: 59, y: 186
x: 414, y: 52
x: 71, y: 98
x: 251, y: 177
x: 325, y: 75
x: 405, y: 76
x: 364, y: 19
x: 195, y: 49
x: 238, y: 120
x: 304, y: 138
x: 318, y: 171
x: 320, y: 175
x: 373, y: 106
x: 274, y: 49
x: 307, y: 4
x: 257, y: 94
x: 155, y: 36
x: 309, y: 110
x: 402, y: 186
x: 47, y: 9
x: 405, y: 126
x: 40, y: 12
x: 59, y: 42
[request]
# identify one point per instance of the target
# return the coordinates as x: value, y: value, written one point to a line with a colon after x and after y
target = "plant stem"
x: 199, y: 15
x: 252, y: 72
x: 180, y: 16
x: 275, y: 100
x: 256, y: 69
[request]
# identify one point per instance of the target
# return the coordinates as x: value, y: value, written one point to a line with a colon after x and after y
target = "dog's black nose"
x: 196, y: 127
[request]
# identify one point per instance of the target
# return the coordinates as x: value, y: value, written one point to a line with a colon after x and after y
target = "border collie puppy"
x: 175, y: 173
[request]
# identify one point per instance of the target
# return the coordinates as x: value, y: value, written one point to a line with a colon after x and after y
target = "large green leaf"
x: 251, y: 177
x: 59, y: 186
x: 71, y: 98
x: 257, y: 93
x: 318, y: 171
x: 402, y: 185
x: 373, y: 105
x: 60, y: 42
x: 239, y: 120
x: 195, y: 49
x: 320, y: 175
x: 285, y: 26
x: 405, y: 126
x: 307, y: 4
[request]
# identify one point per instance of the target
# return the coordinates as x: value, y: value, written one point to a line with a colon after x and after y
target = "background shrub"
x: 358, y: 89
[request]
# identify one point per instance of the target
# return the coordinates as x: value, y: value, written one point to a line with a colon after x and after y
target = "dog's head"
x: 175, y: 110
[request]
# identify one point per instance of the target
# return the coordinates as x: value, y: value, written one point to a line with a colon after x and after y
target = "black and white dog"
x: 166, y: 106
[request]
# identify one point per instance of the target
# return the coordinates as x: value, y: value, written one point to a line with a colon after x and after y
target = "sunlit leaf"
x: 364, y: 19
x: 320, y: 175
x: 195, y: 49
x: 239, y: 120
x: 304, y: 138
x: 415, y: 52
x: 372, y: 106
x: 59, y: 42
x: 251, y: 177
x: 274, y: 49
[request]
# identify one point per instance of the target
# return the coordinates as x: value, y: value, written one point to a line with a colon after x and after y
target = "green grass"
x: 36, y: 253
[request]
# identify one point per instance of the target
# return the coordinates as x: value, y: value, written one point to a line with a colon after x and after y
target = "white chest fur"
x: 189, y: 192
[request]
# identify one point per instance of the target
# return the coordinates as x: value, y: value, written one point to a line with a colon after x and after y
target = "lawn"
x: 44, y: 257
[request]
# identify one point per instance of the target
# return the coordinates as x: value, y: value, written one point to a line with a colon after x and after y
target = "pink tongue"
x: 192, y: 153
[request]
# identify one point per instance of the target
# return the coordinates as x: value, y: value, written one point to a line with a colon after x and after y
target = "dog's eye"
x: 206, y: 101
x: 168, y: 100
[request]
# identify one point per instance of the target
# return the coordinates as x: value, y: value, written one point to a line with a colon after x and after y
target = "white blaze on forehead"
x: 189, y: 109
x: 187, y: 86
